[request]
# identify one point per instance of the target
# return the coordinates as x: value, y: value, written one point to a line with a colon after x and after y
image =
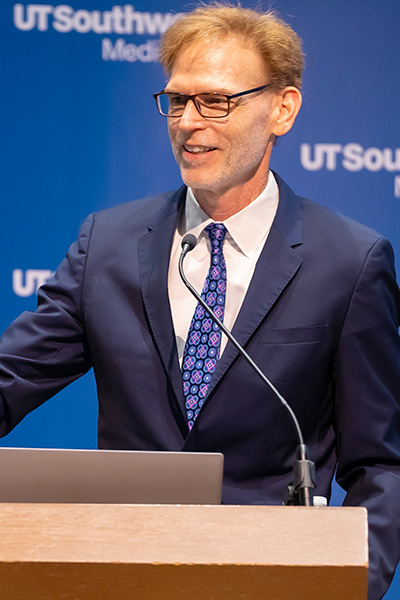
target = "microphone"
x: 188, y: 243
x: 300, y: 492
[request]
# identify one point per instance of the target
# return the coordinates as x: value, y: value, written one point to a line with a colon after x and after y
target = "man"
x: 312, y: 296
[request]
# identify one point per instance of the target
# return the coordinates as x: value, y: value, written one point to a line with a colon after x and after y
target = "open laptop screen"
x: 110, y: 476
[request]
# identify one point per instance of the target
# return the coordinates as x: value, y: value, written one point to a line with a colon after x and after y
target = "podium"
x: 185, y: 552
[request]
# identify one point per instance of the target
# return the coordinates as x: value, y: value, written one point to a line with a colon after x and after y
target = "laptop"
x: 110, y: 476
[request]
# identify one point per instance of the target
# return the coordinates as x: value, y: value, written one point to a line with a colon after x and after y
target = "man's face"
x: 217, y: 155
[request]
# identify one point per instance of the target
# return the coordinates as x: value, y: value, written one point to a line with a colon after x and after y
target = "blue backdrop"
x: 80, y: 132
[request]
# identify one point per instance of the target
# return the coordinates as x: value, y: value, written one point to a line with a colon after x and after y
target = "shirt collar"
x: 248, y: 228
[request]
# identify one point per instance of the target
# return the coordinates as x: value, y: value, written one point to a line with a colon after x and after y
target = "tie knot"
x: 216, y: 233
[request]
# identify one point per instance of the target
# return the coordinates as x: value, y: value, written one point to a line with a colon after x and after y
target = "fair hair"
x: 279, y: 46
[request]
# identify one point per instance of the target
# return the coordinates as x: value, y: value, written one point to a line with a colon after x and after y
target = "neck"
x: 219, y: 206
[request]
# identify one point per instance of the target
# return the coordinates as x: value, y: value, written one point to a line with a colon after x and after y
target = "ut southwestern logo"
x: 121, y: 20
x: 27, y: 283
x: 352, y: 157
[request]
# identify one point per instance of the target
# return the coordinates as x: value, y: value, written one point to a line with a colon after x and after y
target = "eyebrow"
x: 222, y: 92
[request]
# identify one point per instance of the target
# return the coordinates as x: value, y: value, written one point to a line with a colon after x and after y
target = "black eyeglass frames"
x: 211, y: 105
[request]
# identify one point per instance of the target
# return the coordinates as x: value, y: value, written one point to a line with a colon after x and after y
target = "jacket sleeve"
x: 367, y: 374
x: 43, y: 351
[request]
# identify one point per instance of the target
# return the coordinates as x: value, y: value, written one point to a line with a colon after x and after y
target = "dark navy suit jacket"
x: 320, y: 318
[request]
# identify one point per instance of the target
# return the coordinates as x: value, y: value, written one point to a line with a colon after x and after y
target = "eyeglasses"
x: 210, y: 106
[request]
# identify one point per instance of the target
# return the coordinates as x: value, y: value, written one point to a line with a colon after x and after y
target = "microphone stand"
x: 300, y: 492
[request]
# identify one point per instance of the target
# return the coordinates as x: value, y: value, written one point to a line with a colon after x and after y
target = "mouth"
x: 198, y: 150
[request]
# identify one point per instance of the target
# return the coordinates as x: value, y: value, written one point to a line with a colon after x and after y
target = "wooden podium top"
x: 75, y: 551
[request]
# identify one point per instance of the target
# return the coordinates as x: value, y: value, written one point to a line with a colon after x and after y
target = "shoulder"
x: 343, y: 243
x: 330, y: 228
x: 143, y: 210
x: 332, y: 246
x: 338, y: 222
x: 130, y: 218
x: 322, y: 227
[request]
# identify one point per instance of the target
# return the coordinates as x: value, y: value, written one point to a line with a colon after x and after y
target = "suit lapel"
x: 277, y: 265
x: 154, y: 249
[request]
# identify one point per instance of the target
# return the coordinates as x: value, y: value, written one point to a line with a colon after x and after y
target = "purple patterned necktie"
x: 203, y: 343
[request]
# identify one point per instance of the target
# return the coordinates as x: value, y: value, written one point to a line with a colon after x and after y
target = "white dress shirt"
x: 247, y: 232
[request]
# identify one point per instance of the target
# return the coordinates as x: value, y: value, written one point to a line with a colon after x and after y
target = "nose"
x: 191, y: 117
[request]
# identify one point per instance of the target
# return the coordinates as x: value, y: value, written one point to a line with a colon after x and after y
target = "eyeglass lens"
x: 209, y: 105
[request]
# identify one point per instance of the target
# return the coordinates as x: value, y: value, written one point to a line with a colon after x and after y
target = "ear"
x: 288, y: 105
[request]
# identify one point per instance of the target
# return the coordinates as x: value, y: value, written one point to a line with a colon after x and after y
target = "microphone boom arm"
x: 300, y: 493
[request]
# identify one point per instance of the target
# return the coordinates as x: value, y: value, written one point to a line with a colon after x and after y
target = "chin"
x: 199, y: 182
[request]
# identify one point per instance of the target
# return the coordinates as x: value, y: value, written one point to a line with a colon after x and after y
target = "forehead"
x: 221, y: 65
